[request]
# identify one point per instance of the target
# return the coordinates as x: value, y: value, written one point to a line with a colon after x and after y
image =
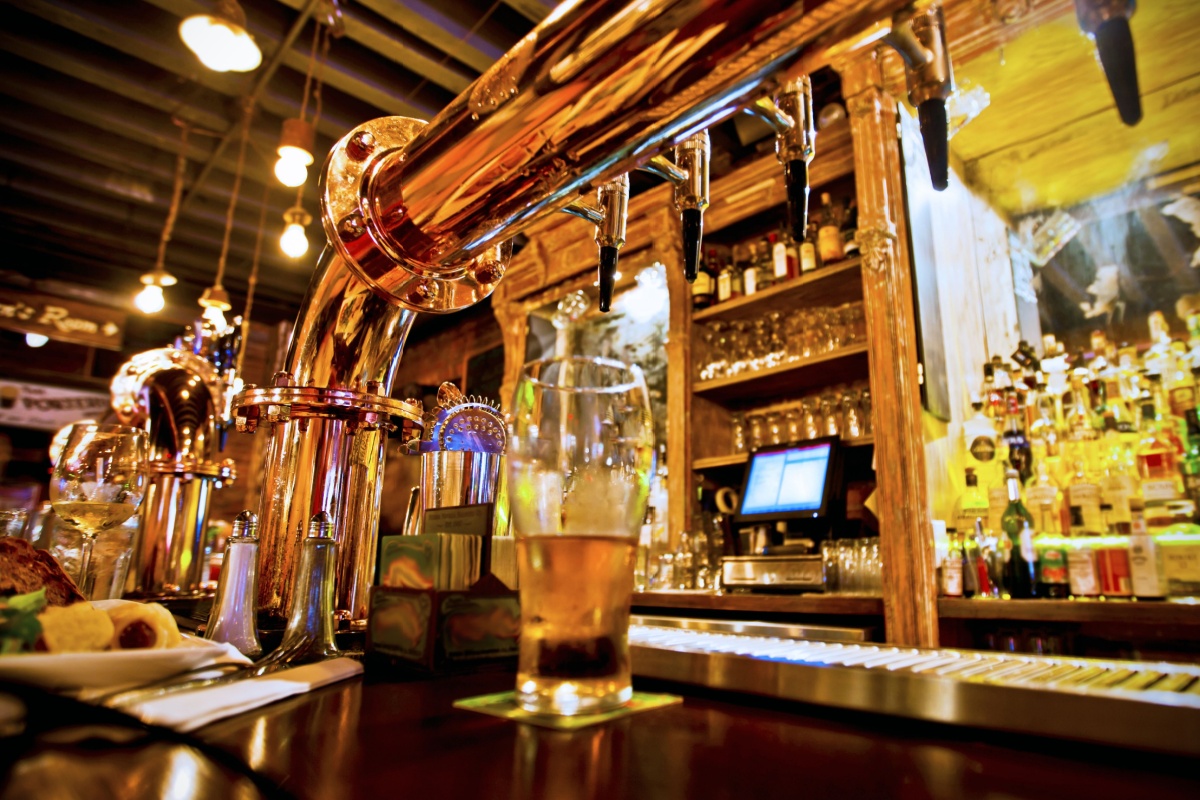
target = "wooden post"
x: 906, y: 539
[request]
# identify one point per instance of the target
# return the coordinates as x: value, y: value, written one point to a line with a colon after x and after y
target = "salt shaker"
x: 232, y: 617
x: 308, y: 636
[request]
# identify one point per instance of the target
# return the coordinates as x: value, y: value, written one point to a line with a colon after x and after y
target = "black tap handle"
x: 1114, y: 41
x: 936, y: 133
x: 608, y: 275
x: 693, y: 233
x: 795, y: 176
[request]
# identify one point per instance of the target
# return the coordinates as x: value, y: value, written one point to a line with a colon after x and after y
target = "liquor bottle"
x: 1157, y: 461
x: 1081, y: 568
x: 783, y: 263
x: 1171, y: 426
x: 850, y: 228
x: 979, y: 438
x: 1020, y: 457
x: 1084, y: 494
x: 1158, y: 358
x: 750, y: 273
x: 766, y: 263
x: 1045, y: 444
x: 1081, y: 419
x: 1118, y: 485
x: 1114, y: 408
x: 970, y: 559
x: 972, y: 503
x: 1189, y: 465
x: 1112, y: 558
x: 1146, y: 568
x: 987, y: 575
x: 829, y: 235
x: 704, y: 288
x: 1044, y: 501
x: 993, y: 400
x: 1017, y: 524
x: 952, y: 568
x: 729, y: 280
x: 810, y: 255
x: 1051, y: 551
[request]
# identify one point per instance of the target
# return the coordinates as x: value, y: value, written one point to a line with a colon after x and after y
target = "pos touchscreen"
x: 790, y: 481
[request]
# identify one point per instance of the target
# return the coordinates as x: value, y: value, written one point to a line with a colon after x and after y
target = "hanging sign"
x: 48, y: 408
x: 64, y: 320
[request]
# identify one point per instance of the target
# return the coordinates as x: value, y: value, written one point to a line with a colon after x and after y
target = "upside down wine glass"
x: 98, y: 483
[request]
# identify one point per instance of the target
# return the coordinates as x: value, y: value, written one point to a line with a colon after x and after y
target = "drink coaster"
x: 504, y: 704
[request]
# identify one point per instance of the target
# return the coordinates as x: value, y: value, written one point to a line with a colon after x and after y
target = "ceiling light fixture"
x: 294, y: 242
x: 150, y: 299
x: 298, y: 134
x: 215, y: 300
x: 220, y: 39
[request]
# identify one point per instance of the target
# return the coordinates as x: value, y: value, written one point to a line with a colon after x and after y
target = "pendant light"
x: 297, y: 135
x: 215, y: 300
x: 294, y: 242
x: 220, y: 39
x: 150, y: 299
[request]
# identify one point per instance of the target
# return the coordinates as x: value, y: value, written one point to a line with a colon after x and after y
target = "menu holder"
x: 440, y: 606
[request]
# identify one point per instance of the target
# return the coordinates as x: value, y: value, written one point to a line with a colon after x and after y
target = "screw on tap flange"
x: 360, y: 145
x: 351, y: 227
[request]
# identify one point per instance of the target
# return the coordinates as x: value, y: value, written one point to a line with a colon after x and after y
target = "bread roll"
x: 143, y: 626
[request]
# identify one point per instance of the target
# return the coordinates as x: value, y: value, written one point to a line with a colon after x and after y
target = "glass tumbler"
x: 580, y: 456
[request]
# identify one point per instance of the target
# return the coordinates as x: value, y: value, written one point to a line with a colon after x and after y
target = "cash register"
x: 795, y: 490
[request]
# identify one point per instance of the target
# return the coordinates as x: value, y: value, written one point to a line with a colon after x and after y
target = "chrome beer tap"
x: 609, y: 215
x: 1106, y: 22
x: 919, y: 36
x: 689, y: 177
x: 790, y: 115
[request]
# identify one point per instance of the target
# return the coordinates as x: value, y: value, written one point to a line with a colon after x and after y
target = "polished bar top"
x: 377, y: 738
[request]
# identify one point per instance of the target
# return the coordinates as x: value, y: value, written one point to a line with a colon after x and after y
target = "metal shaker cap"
x: 321, y: 525
x: 245, y: 524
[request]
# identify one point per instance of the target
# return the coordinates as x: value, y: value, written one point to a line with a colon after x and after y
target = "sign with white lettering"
x: 48, y: 408
x: 64, y: 320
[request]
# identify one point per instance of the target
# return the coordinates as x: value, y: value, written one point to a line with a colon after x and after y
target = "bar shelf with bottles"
x: 1095, y: 517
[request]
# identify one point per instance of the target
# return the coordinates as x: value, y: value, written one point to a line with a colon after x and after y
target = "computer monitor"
x: 792, y: 482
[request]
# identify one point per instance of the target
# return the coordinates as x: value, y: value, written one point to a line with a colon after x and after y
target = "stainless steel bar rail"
x: 1143, y: 705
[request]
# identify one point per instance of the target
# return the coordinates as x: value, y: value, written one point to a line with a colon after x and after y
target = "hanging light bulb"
x: 215, y: 302
x: 36, y: 339
x: 220, y: 39
x: 295, y: 152
x: 294, y: 242
x: 150, y: 299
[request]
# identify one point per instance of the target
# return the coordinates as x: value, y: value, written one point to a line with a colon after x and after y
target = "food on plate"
x: 142, y: 625
x: 19, y: 626
x: 79, y: 628
x: 24, y: 569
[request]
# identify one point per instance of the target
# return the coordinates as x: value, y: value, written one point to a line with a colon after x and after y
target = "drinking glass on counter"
x: 98, y: 484
x: 852, y: 566
x: 580, y: 456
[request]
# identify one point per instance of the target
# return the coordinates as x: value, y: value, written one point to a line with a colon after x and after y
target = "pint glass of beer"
x: 580, y: 455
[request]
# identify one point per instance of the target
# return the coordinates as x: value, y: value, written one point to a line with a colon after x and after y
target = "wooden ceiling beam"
x: 372, y: 29
x: 444, y: 26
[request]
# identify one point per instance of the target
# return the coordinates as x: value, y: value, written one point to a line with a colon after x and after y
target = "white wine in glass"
x: 98, y: 483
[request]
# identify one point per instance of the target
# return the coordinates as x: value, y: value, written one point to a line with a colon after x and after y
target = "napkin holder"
x: 419, y: 625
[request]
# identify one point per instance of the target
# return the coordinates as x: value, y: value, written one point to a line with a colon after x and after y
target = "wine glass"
x: 580, y: 457
x: 98, y: 483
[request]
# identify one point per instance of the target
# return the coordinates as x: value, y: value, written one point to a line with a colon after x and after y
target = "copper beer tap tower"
x: 419, y: 218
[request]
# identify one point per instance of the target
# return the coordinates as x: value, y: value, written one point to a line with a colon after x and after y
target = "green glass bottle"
x: 1020, y: 573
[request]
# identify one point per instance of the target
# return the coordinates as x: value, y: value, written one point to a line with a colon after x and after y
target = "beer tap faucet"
x: 1107, y: 23
x: 919, y: 36
x: 790, y: 115
x: 609, y: 215
x: 689, y: 176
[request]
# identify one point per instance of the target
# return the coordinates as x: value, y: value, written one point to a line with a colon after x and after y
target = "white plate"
x: 114, y: 667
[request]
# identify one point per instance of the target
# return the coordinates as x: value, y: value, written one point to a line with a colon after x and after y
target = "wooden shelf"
x: 1143, y: 612
x: 829, y: 286
x: 762, y: 603
x: 753, y: 388
x: 717, y: 462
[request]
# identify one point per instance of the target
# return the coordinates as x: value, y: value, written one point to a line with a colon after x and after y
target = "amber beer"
x: 575, y: 595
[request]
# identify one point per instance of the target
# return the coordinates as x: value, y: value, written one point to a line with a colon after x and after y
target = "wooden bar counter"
x: 382, y: 738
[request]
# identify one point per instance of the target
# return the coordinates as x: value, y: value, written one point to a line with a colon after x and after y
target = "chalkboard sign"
x: 485, y: 373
